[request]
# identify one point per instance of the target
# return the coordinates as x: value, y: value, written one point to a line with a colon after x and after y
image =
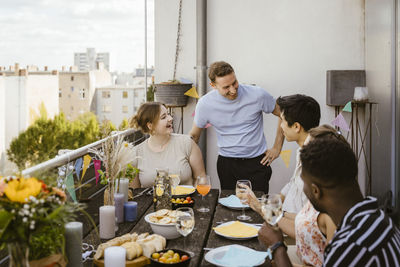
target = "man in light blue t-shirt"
x: 236, y: 113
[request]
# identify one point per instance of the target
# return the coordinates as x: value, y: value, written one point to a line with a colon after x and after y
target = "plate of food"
x: 235, y: 255
x: 236, y: 230
x: 183, y: 190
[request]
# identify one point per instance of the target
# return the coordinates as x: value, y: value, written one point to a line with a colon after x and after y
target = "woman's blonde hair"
x: 147, y: 112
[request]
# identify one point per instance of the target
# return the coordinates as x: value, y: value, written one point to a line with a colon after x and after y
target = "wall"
x: 379, y: 59
x: 284, y: 46
x: 2, y: 124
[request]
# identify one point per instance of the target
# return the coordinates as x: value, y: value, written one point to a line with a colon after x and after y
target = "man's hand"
x: 268, y: 235
x: 270, y: 155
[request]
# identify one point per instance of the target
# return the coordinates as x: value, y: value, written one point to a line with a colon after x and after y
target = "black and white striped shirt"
x: 365, y: 237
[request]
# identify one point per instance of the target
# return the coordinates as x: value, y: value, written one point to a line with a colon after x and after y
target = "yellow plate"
x: 237, y: 230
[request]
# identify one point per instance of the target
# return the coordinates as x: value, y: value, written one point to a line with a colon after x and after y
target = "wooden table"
x: 202, y: 235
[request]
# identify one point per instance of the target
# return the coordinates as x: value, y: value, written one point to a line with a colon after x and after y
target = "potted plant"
x: 171, y: 93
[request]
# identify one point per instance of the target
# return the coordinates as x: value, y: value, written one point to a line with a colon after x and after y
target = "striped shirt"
x: 365, y: 237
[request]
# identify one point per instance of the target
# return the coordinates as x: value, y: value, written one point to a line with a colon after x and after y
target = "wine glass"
x: 185, y: 223
x: 271, y: 208
x: 174, y: 180
x: 241, y: 193
x: 203, y: 186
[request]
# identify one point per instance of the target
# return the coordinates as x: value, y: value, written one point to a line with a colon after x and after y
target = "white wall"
x: 2, y: 124
x: 379, y: 58
x: 284, y: 46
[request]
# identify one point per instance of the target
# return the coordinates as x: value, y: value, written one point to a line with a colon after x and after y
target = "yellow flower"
x: 19, y: 190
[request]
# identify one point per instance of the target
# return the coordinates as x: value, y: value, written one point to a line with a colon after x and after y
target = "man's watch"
x: 272, y: 248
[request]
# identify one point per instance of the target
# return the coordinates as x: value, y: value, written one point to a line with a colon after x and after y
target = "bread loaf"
x: 133, y: 250
x: 114, y: 242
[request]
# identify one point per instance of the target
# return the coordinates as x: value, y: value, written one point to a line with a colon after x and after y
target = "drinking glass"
x: 174, y: 180
x: 203, y: 186
x: 185, y: 223
x: 241, y: 193
x: 271, y: 208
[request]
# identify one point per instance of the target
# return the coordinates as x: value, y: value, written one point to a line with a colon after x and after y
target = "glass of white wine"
x: 271, y: 208
x: 185, y: 223
x: 241, y: 193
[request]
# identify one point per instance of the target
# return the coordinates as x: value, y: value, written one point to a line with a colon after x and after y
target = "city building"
x: 131, y: 78
x: 88, y: 60
x: 118, y: 102
x: 22, y: 93
x: 77, y: 89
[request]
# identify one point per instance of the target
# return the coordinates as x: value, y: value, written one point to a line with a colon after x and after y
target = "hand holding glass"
x: 271, y: 208
x: 241, y: 192
x: 203, y: 186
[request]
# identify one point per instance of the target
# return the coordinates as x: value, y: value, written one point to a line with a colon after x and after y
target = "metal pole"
x: 145, y: 49
x: 201, y: 61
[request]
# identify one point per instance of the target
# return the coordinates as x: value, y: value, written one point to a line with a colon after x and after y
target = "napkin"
x: 232, y: 201
x: 237, y: 229
x: 239, y: 256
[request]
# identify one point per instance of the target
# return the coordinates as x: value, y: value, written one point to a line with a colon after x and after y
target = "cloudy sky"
x: 48, y: 32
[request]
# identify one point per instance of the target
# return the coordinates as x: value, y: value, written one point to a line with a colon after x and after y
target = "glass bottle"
x: 162, y: 190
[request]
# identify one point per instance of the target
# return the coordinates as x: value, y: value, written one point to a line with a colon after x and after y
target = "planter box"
x: 172, y: 94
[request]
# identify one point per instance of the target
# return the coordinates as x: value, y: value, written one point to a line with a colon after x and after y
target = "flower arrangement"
x: 116, y: 156
x: 32, y: 218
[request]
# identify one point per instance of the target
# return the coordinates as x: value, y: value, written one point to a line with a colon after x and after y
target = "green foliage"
x: 106, y: 128
x: 124, y: 125
x: 42, y: 140
x: 150, y: 93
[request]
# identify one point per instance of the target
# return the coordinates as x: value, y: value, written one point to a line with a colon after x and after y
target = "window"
x: 125, y: 109
x: 125, y: 94
x: 106, y: 108
x: 72, y: 88
x: 82, y: 93
x: 72, y: 78
x: 59, y: 92
x: 136, y: 94
x: 106, y: 94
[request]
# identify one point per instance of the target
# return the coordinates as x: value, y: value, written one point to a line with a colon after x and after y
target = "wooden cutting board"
x: 138, y: 262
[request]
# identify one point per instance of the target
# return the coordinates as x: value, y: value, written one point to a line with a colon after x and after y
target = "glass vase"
x: 19, y: 254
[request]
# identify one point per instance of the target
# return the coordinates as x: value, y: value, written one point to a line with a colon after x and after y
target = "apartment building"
x: 118, y: 102
x: 77, y: 89
x: 88, y: 60
x: 22, y: 92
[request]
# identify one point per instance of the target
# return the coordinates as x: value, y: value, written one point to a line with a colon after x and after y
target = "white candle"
x: 124, y: 187
x: 114, y: 257
x: 107, y: 222
x: 73, y: 243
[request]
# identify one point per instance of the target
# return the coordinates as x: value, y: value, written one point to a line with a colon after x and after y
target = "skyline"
x: 48, y: 33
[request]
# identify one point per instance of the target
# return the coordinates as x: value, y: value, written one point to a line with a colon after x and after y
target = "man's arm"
x: 272, y: 153
x: 195, y: 133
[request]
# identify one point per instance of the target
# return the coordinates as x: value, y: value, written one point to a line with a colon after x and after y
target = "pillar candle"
x: 124, y: 187
x: 114, y: 257
x: 107, y: 222
x: 130, y: 210
x: 119, y: 207
x: 73, y: 243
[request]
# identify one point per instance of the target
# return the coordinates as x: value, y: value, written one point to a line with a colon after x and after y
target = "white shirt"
x: 295, y: 198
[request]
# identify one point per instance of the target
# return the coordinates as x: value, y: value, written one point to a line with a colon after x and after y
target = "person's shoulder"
x: 254, y: 90
x: 139, y: 147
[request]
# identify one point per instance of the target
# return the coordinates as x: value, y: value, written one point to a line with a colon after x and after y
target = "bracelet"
x: 274, y: 247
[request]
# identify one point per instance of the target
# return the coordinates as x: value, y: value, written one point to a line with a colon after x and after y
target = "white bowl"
x: 166, y: 230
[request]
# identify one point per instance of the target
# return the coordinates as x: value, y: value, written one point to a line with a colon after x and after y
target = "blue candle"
x: 119, y: 200
x: 130, y: 210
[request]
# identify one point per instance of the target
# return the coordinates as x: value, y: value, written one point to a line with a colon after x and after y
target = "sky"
x: 48, y: 32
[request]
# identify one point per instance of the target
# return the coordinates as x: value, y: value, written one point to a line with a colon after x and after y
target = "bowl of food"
x: 180, y: 202
x: 163, y: 222
x: 175, y: 257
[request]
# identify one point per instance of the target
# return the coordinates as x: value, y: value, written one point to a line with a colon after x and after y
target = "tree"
x: 124, y: 125
x: 45, y: 137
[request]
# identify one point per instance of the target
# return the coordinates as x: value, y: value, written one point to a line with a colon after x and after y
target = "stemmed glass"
x: 185, y: 223
x: 203, y: 186
x: 271, y: 208
x: 241, y: 193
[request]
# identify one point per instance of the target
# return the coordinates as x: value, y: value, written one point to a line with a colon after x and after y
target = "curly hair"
x: 329, y: 160
x: 300, y: 108
x: 147, y: 112
x: 219, y: 69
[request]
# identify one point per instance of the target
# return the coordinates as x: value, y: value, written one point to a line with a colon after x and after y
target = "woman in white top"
x: 164, y: 149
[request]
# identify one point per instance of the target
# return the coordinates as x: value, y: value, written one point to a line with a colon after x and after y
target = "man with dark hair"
x: 236, y: 113
x: 299, y: 113
x: 365, y: 235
